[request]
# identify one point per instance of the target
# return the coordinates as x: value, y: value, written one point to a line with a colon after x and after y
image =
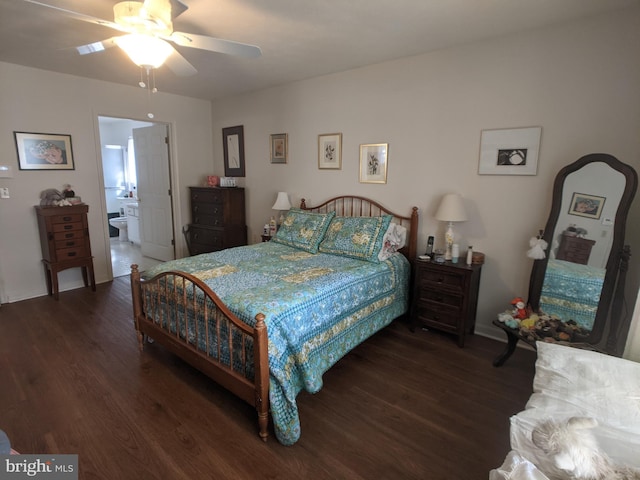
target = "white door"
x: 154, y: 192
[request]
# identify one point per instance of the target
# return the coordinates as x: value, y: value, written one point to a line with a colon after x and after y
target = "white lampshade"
x: 145, y: 50
x: 282, y: 202
x: 451, y: 209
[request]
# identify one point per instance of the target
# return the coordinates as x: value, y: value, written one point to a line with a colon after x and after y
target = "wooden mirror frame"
x: 616, y: 254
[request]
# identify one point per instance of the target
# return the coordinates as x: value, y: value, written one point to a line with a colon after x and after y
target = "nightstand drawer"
x: 441, y: 316
x: 436, y: 279
x: 441, y: 297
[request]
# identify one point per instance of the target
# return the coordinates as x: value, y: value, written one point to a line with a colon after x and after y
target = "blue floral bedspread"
x: 318, y: 307
x: 572, y: 291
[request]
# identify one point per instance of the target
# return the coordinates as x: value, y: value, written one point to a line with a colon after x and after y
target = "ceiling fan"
x: 148, y: 26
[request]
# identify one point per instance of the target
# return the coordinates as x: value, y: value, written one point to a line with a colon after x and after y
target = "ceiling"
x: 299, y: 39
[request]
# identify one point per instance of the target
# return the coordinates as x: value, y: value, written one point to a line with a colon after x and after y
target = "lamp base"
x: 448, y: 237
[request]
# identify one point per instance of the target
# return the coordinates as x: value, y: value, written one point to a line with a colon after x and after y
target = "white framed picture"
x: 512, y: 151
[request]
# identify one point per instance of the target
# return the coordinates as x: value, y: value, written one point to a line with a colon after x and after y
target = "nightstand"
x: 445, y: 297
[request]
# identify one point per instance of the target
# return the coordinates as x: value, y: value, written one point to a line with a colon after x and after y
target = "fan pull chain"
x: 150, y: 85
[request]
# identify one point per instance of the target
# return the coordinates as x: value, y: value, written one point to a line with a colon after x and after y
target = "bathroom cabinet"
x: 64, y: 238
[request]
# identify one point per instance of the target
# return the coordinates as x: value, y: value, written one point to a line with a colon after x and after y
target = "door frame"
x: 175, y: 197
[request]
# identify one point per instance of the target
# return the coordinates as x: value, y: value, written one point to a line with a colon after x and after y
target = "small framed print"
x: 584, y: 205
x: 373, y: 162
x: 330, y: 151
x: 44, y: 151
x: 233, y: 145
x: 511, y: 151
x: 278, y: 147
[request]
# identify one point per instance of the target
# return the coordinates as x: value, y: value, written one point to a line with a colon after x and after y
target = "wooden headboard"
x: 354, y: 206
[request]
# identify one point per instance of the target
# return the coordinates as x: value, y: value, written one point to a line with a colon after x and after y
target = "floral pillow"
x: 356, y: 237
x: 303, y: 230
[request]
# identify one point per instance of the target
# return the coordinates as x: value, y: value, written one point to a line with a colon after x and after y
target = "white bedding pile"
x: 573, y: 382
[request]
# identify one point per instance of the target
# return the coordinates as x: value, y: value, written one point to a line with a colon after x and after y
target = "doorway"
x: 126, y: 219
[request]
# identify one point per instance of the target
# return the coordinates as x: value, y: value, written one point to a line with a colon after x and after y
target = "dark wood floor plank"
x: 400, y: 405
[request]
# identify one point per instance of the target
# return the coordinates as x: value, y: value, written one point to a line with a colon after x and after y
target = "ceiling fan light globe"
x: 145, y: 50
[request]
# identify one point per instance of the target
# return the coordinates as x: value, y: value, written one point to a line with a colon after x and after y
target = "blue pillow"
x: 303, y: 230
x: 356, y: 237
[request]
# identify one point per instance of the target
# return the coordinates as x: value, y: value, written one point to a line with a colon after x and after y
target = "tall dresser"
x: 217, y: 219
x: 64, y: 238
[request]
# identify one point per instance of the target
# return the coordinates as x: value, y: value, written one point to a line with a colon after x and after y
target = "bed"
x: 266, y: 321
x: 572, y: 291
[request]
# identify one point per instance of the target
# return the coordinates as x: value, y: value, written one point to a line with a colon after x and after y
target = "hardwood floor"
x: 400, y: 406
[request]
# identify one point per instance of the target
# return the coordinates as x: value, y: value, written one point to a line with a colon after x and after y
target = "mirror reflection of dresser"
x: 575, y: 249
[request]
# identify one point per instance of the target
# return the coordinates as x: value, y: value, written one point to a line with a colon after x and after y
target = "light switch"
x: 4, y: 193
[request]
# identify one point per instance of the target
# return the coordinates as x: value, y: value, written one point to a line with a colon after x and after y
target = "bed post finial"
x: 303, y: 203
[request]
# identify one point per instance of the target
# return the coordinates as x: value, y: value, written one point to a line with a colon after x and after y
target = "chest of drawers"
x: 575, y: 249
x: 65, y: 243
x: 445, y: 297
x: 217, y: 219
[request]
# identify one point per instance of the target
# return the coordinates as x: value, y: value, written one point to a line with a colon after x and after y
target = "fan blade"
x: 96, y: 46
x: 204, y: 42
x: 179, y: 65
x: 82, y: 16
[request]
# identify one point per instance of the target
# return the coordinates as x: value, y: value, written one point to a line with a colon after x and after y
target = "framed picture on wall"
x: 373, y: 162
x: 584, y: 205
x: 278, y: 148
x: 330, y: 151
x: 44, y: 151
x: 233, y: 146
x: 512, y: 151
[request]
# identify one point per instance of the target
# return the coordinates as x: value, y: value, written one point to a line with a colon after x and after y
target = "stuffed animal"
x: 52, y: 197
x: 519, y: 310
x: 574, y: 451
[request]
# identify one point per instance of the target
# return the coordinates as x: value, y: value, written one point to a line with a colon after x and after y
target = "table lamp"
x: 282, y: 204
x: 451, y: 209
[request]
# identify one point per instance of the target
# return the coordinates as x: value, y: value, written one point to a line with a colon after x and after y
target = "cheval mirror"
x: 580, y: 281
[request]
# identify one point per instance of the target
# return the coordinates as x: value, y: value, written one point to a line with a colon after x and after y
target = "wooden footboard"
x: 183, y: 314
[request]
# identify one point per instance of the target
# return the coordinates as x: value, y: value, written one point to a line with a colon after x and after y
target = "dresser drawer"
x: 212, y: 195
x: 208, y: 236
x: 63, y: 254
x: 78, y: 242
x: 66, y: 227
x: 68, y: 218
x: 68, y: 235
x: 210, y: 220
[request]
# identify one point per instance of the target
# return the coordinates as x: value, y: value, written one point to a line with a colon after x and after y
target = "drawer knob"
x: 66, y: 219
x: 68, y: 227
x: 71, y: 254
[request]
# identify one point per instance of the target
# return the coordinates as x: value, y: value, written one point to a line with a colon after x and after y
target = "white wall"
x: 39, y: 101
x: 579, y: 82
